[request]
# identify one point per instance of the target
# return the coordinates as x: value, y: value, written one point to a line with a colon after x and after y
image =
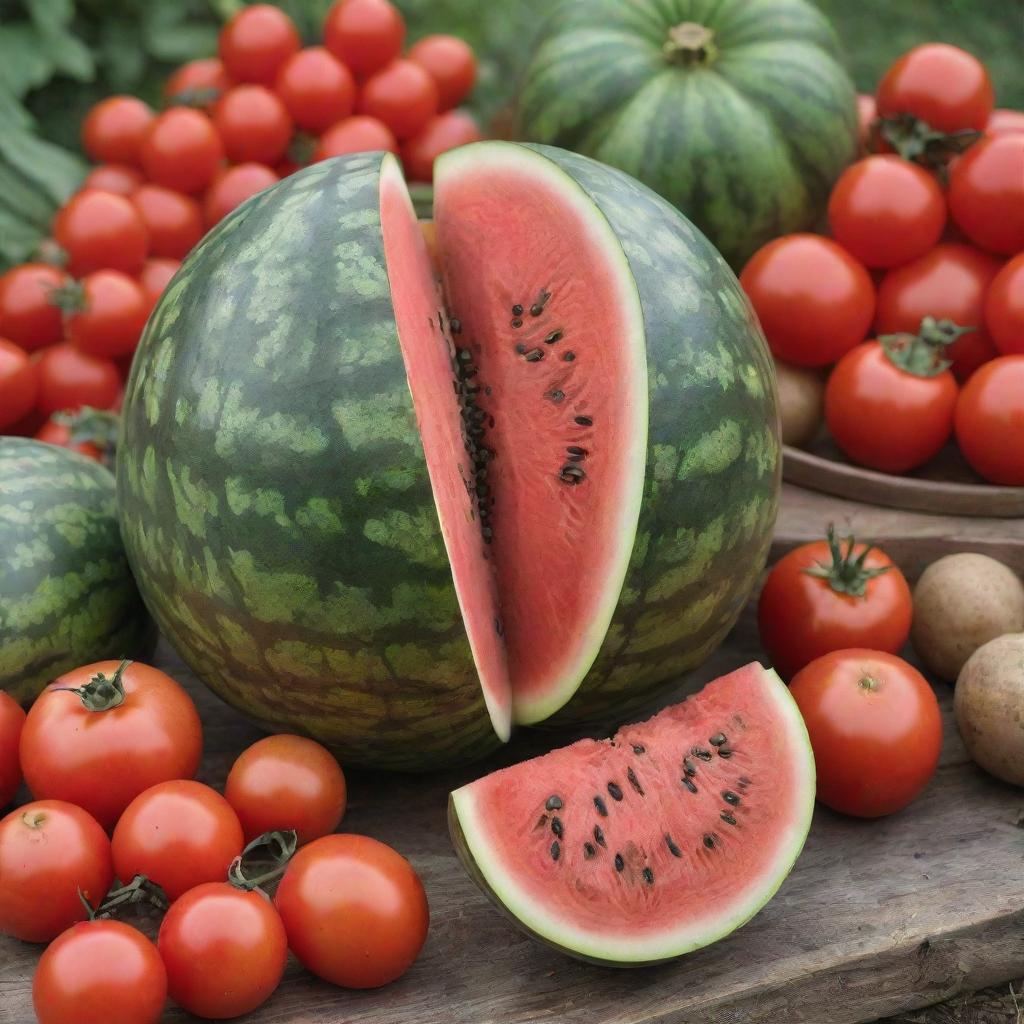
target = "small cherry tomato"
x: 354, y: 910
x: 866, y: 114
x: 1003, y: 122
x: 117, y: 178
x: 55, y: 432
x: 178, y: 834
x: 12, y: 718
x: 948, y: 283
x: 402, y: 95
x: 154, y: 277
x: 364, y: 34
x: 451, y: 63
x: 814, y: 300
x: 182, y: 150
x: 100, y: 735
x: 355, y: 135
x: 441, y: 133
x: 317, y: 89
x: 990, y: 421
x: 875, y: 729
x: 113, y: 130
x: 174, y: 221
x: 100, y: 972
x: 1004, y: 308
x: 101, y: 231
x: 828, y: 595
x: 28, y: 317
x: 986, y: 193
x: 110, y: 312
x: 942, y: 85
x: 287, y: 782
x: 216, y: 932
x: 253, y: 124
x: 233, y: 187
x: 256, y: 42
x: 69, y: 379
x: 886, y: 211
x: 199, y: 83
x: 49, y: 850
x: 19, y: 384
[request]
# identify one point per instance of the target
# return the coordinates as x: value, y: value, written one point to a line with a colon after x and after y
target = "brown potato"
x: 961, y: 602
x: 801, y: 402
x: 989, y: 706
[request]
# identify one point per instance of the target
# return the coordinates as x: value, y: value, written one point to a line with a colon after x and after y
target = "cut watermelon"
x: 656, y: 842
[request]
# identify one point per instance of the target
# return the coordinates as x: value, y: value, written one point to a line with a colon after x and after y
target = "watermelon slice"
x: 649, y: 845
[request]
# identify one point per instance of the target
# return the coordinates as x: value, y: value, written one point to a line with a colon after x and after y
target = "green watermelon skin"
x: 275, y: 498
x: 713, y: 458
x: 747, y: 146
x: 67, y: 597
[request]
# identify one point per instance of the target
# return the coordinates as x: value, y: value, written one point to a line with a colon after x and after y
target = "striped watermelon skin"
x: 276, y: 503
x: 747, y: 143
x: 67, y: 597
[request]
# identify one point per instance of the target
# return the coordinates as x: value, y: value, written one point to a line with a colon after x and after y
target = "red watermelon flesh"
x: 660, y: 840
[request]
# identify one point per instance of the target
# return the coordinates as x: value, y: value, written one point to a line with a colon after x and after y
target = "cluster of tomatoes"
x: 925, y: 259
x: 113, y: 748
x: 233, y: 126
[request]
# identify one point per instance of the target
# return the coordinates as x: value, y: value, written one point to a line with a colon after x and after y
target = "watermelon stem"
x: 846, y: 574
x: 923, y: 354
x: 277, y: 849
x: 690, y: 43
x: 101, y: 693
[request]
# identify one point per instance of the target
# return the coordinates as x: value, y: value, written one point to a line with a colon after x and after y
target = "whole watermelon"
x: 67, y: 597
x: 737, y: 111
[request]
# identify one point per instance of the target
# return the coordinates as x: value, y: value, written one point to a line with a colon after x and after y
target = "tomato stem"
x: 916, y: 140
x: 846, y: 574
x: 280, y: 846
x: 139, y: 890
x: 101, y: 693
x: 923, y: 354
x: 868, y: 683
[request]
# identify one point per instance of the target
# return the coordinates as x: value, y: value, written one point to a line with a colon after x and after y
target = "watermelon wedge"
x: 658, y: 841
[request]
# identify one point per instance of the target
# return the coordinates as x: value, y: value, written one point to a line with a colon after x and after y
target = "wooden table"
x: 877, y: 917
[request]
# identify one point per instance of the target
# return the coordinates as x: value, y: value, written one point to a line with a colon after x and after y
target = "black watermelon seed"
x: 614, y: 792
x: 487, y: 532
x: 535, y: 355
x: 536, y: 309
x: 725, y: 752
x: 704, y: 755
x: 455, y: 325
x: 709, y: 840
x: 554, y: 802
x: 575, y: 449
x: 517, y: 310
x: 727, y: 818
x: 569, y: 356
x: 689, y: 767
x: 648, y: 876
x: 688, y: 783
x: 744, y: 781
x: 556, y: 826
x: 672, y: 848
x: 500, y: 630
x: 634, y: 781
x: 521, y: 349
x: 717, y: 740
x: 599, y: 836
x: 571, y: 474
x: 555, y: 850
x: 730, y: 797
x: 619, y: 862
x: 553, y: 337
x: 464, y: 355
x: 517, y: 322
x: 584, y: 421
x: 601, y: 808
x: 588, y: 850
x: 639, y: 748
x: 556, y: 395
x: 576, y: 458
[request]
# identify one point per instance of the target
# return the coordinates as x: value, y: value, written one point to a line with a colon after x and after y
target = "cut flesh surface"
x: 658, y: 841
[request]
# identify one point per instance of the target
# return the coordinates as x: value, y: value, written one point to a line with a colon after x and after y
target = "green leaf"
x: 50, y: 14
x: 55, y: 171
x: 24, y: 63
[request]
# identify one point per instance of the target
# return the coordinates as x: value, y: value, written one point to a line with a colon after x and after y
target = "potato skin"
x: 989, y: 707
x: 961, y: 602
x: 801, y: 402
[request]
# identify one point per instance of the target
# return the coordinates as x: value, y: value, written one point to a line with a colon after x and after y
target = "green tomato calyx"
x: 846, y: 574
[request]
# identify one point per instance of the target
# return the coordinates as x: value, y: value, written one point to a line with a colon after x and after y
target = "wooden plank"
x: 876, y: 918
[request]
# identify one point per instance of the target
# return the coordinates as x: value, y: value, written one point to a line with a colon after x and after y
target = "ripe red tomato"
x: 875, y: 728
x: 19, y: 384
x: 198, y: 83
x: 130, y: 728
x: 101, y: 231
x: 317, y: 89
x: 117, y: 178
x: 253, y: 124
x: 113, y: 130
x: 1002, y: 122
x: 948, y: 283
x: 174, y: 221
x: 942, y: 85
x: 12, y: 718
x: 182, y: 150
x: 287, y: 782
x: 59, y: 434
x: 986, y: 193
x: 1004, y: 308
x: 451, y: 63
x: 866, y: 114
x: 233, y: 187
x: 355, y: 135
x: 814, y: 300
x: 48, y: 851
x: 100, y: 972
x: 155, y: 276
x: 990, y: 421
x: 441, y: 133
x: 27, y: 316
x: 69, y: 379
x: 402, y: 95
x: 828, y: 595
x: 354, y: 909
x: 364, y: 34
x: 178, y: 834
x: 216, y: 931
x: 886, y: 211
x: 110, y: 315
x: 256, y: 42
